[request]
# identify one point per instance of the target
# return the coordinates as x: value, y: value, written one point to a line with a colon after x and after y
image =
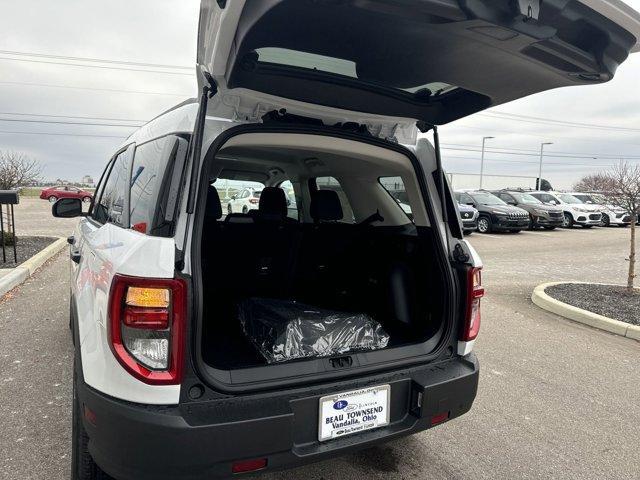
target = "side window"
x: 466, y: 199
x: 111, y: 205
x: 395, y: 187
x: 507, y: 198
x: 292, y: 201
x: 330, y: 183
x: 150, y: 203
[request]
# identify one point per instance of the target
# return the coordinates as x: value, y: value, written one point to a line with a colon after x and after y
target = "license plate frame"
x: 366, y: 401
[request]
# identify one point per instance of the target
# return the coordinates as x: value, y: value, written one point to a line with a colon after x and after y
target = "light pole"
x: 484, y: 139
x: 539, y: 186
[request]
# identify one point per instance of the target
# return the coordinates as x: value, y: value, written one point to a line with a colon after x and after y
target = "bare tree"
x: 625, y: 180
x: 596, y: 182
x: 17, y: 170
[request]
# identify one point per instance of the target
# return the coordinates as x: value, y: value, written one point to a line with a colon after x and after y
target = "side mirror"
x: 471, y: 204
x: 512, y: 202
x: 67, y: 208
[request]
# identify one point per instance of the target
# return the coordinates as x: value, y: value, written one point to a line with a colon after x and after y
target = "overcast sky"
x: 36, y: 88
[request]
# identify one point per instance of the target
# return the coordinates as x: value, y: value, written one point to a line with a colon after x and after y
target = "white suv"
x: 611, y: 214
x: 575, y: 211
x: 245, y: 200
x: 209, y: 347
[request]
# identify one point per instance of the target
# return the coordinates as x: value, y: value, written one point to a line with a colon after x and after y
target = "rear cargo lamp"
x: 146, y: 327
x: 246, y: 466
x: 475, y: 292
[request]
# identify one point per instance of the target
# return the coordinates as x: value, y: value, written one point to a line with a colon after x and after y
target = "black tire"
x: 606, y: 221
x: 229, y: 209
x: 52, y: 199
x: 86, y: 199
x: 549, y: 228
x: 568, y: 221
x: 82, y: 465
x: 484, y: 225
x: 245, y: 210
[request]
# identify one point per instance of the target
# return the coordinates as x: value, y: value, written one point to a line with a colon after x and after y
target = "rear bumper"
x: 201, y: 439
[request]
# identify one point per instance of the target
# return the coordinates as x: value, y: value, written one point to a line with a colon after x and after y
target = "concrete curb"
x: 544, y: 301
x: 27, y: 268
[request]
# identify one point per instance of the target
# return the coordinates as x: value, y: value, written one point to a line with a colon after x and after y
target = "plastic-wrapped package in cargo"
x: 285, y: 330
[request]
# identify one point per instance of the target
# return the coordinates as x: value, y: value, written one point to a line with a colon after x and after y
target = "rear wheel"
x: 484, y: 225
x: 606, y: 221
x: 568, y: 221
x: 245, y: 210
x: 86, y: 199
x: 82, y: 465
x: 229, y: 209
x: 53, y: 199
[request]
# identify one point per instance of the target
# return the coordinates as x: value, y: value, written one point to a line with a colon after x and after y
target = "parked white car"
x: 245, y: 200
x: 174, y: 376
x: 611, y: 214
x: 576, y: 212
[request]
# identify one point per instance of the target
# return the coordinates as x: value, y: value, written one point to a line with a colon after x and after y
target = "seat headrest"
x: 273, y: 202
x: 325, y: 206
x: 213, y: 210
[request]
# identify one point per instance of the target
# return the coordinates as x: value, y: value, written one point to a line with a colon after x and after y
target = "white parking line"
x: 487, y: 235
x: 537, y: 234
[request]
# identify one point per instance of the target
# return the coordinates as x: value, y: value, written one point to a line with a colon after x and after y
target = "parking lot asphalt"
x: 556, y: 399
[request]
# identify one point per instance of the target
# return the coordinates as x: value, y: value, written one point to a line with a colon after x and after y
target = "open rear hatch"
x: 392, y: 67
x: 387, y: 62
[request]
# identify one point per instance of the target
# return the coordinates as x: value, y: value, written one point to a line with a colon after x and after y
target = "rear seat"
x: 328, y: 252
x: 255, y: 253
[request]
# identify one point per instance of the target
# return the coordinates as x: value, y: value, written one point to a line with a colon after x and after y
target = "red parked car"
x: 54, y: 193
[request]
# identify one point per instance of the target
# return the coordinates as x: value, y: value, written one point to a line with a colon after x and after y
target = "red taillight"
x: 245, y: 466
x: 254, y: 201
x: 475, y: 292
x: 146, y: 327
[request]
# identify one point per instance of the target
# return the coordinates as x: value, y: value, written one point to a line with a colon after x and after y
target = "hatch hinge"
x: 460, y: 254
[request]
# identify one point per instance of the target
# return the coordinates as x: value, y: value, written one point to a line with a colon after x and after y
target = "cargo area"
x: 330, y: 239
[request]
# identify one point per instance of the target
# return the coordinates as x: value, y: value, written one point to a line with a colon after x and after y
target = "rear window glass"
x: 395, y: 187
x: 148, y: 173
x: 338, y: 66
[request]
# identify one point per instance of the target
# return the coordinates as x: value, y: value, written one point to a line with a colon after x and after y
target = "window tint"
x: 111, y: 205
x: 148, y: 175
x: 330, y: 183
x: 292, y: 202
x: 464, y: 198
x: 395, y: 187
